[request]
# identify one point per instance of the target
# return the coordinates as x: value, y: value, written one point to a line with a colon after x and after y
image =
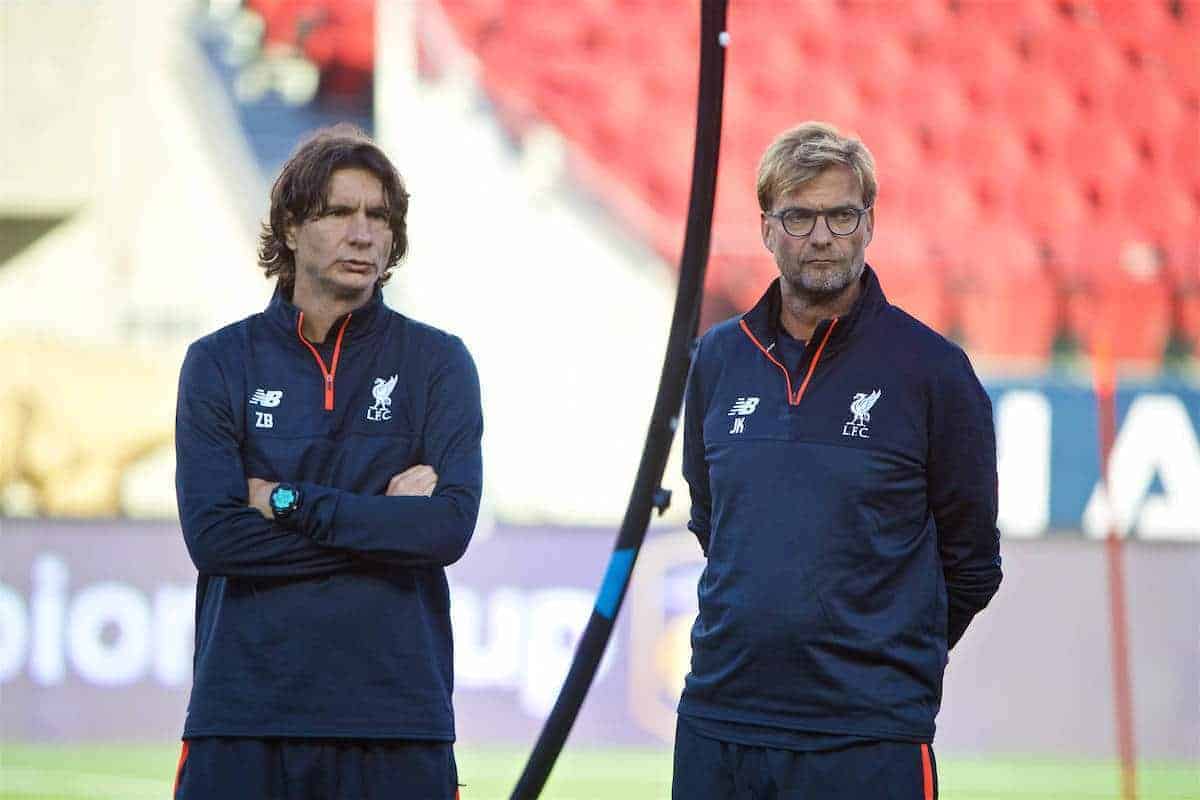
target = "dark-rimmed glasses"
x: 800, y: 222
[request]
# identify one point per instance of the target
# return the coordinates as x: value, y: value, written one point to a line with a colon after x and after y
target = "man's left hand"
x: 258, y: 495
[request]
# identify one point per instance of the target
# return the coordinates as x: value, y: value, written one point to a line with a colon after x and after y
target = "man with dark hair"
x: 842, y: 466
x: 328, y: 469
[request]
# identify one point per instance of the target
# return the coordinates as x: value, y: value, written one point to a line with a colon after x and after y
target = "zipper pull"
x: 329, y: 393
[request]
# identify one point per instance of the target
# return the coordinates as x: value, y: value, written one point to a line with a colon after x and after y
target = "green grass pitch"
x: 133, y: 772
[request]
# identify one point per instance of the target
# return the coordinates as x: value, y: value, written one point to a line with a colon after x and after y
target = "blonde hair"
x: 798, y: 155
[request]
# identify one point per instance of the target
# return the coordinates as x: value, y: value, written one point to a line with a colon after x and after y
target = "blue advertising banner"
x: 1048, y: 441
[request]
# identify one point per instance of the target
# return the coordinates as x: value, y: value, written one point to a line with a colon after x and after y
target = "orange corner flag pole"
x: 1105, y: 384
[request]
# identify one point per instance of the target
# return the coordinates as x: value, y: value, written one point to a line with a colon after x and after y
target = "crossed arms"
x: 425, y: 518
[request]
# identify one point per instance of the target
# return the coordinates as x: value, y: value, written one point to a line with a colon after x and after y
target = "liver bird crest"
x: 860, y: 406
x: 382, y: 390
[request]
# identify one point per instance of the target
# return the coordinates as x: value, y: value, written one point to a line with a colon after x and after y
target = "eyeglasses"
x: 800, y: 222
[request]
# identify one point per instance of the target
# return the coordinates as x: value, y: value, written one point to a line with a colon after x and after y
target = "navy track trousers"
x: 229, y: 768
x: 710, y: 769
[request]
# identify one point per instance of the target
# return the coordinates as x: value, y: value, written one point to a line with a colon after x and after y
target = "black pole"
x: 647, y: 494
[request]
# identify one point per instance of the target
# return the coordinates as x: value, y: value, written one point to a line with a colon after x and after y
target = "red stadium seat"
x: 1177, y: 54
x: 939, y: 203
x: 1157, y: 205
x: 1124, y: 15
x: 807, y: 35
x: 1146, y: 106
x: 1182, y: 253
x: 1157, y: 143
x: 1183, y: 268
x: 1010, y: 15
x: 899, y: 15
x: 821, y: 94
x: 875, y: 71
x: 909, y: 275
x: 1010, y: 318
x: 993, y: 156
x: 934, y: 102
x: 989, y: 249
x: 742, y: 277
x: 894, y: 148
x: 1051, y: 204
x: 1122, y: 297
x: 737, y: 228
x: 1007, y: 304
x: 1134, y: 314
x: 1042, y: 107
x: 1141, y: 37
x: 1084, y: 57
x: 1102, y: 158
x: 474, y: 19
x: 1099, y: 150
x: 986, y: 60
x: 1185, y: 149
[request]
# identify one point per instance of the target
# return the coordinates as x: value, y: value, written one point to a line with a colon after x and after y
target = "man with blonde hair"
x: 848, y: 521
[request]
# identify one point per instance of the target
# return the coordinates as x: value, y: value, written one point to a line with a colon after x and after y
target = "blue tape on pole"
x: 615, y: 578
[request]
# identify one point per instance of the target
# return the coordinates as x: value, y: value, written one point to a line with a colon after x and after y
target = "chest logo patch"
x: 381, y: 410
x: 741, y: 409
x: 860, y: 411
x: 267, y: 398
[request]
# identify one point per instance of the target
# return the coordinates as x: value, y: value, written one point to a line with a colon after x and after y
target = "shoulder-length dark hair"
x: 301, y: 193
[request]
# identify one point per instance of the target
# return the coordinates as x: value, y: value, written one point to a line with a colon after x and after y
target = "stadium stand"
x: 290, y: 66
x: 1117, y: 291
x: 1049, y: 140
x: 338, y: 37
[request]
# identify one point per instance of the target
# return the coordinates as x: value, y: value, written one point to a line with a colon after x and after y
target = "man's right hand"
x: 418, y: 481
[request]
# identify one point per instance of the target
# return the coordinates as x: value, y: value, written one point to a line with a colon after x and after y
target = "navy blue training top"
x: 335, y: 623
x: 848, y: 519
x: 790, y: 352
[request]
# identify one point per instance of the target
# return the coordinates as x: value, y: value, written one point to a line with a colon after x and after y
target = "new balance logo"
x: 741, y: 409
x: 267, y: 398
x: 860, y: 410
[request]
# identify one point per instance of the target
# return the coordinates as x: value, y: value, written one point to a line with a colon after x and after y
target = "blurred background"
x: 1039, y: 203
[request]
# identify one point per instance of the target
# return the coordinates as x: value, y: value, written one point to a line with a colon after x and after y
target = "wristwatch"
x: 284, y: 500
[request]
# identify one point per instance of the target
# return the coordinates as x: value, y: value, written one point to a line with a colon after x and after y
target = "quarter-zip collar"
x: 761, y: 326
x: 358, y: 324
x: 364, y: 321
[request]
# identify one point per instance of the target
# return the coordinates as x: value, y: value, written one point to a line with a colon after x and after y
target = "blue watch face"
x: 283, y: 497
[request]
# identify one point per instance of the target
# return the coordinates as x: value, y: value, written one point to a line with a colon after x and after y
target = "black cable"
x: 647, y: 493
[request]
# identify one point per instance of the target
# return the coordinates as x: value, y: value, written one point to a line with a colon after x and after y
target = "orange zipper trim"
x: 793, y: 400
x: 327, y: 374
x: 816, y: 358
x: 772, y: 359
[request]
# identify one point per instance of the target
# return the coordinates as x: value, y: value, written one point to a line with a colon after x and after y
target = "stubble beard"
x: 818, y: 286
x: 336, y: 291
